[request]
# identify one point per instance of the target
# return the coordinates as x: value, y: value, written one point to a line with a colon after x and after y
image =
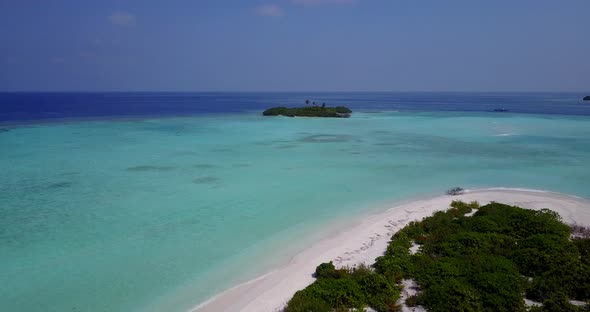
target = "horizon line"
x: 297, y: 91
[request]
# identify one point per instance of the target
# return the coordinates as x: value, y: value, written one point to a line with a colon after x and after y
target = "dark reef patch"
x: 286, y: 146
x: 173, y: 129
x: 185, y: 153
x: 263, y: 143
x: 59, y: 185
x: 381, y: 132
x: 4, y: 130
x: 240, y: 165
x: 148, y: 168
x: 205, y: 180
x: 326, y: 138
x: 221, y: 150
x: 203, y: 166
x: 69, y: 173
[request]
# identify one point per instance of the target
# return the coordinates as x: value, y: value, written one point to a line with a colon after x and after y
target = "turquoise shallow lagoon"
x: 161, y: 214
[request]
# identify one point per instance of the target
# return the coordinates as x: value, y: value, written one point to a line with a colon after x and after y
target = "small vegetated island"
x: 490, y: 261
x: 309, y: 111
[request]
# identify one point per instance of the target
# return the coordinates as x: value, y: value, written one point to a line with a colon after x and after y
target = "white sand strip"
x: 366, y: 240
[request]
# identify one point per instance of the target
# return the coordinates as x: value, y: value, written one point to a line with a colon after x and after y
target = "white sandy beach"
x: 367, y: 239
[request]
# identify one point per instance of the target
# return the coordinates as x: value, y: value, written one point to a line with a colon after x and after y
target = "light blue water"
x: 161, y: 214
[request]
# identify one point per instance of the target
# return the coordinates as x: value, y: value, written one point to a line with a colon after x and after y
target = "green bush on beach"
x: 489, y: 261
x: 344, y: 289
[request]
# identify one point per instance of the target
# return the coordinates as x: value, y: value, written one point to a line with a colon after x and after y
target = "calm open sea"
x: 157, y: 201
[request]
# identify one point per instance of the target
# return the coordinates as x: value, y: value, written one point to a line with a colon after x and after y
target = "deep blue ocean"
x: 18, y: 107
x: 158, y: 201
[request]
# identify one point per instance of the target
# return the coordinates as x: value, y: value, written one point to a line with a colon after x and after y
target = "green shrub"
x: 380, y: 294
x: 482, y: 225
x: 302, y: 302
x: 541, y: 253
x: 412, y: 301
x: 558, y: 303
x: 583, y: 246
x: 393, y: 268
x: 345, y: 289
x: 361, y: 271
x: 499, y: 291
x: 275, y: 111
x: 462, y: 208
x: 326, y: 270
x: 413, y: 231
x: 342, y: 293
x: 343, y: 110
x: 451, y: 295
x: 521, y: 223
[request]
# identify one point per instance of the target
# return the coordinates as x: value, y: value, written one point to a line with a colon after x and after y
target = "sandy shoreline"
x: 367, y: 239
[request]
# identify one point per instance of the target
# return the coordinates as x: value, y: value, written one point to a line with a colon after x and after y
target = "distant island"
x: 309, y: 111
x: 586, y: 98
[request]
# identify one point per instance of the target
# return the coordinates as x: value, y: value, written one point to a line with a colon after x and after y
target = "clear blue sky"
x: 295, y: 45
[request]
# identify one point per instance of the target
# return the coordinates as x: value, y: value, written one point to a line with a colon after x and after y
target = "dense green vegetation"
x: 309, y: 111
x: 487, y: 262
x: 345, y: 289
